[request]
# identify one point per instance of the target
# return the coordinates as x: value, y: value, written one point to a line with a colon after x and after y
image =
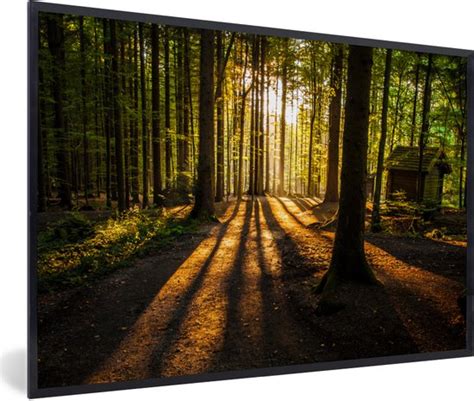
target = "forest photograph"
x: 218, y: 201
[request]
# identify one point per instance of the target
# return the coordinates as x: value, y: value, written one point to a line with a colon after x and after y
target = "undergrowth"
x: 75, y: 251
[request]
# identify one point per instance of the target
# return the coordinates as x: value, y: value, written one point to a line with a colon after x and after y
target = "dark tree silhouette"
x: 204, y: 205
x: 348, y: 261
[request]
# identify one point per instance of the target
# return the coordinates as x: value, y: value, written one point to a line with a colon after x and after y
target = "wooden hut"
x: 402, y: 166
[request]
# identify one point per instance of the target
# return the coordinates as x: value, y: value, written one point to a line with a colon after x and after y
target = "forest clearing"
x: 215, y: 201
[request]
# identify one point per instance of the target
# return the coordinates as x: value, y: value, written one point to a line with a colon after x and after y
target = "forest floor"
x: 239, y: 294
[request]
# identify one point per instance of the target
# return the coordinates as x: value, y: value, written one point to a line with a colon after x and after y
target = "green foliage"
x: 73, y: 228
x: 74, y: 251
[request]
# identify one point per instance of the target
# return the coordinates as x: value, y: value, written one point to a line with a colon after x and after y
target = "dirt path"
x: 222, y: 300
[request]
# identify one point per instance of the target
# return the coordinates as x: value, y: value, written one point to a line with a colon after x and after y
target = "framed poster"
x: 211, y: 201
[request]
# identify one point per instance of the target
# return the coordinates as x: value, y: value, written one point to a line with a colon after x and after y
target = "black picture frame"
x: 34, y: 8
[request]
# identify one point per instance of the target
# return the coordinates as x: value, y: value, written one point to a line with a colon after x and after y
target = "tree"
x: 144, y: 116
x: 168, y: 145
x: 243, y: 97
x: 284, y: 82
x: 135, y: 139
x: 220, y: 118
x: 85, y: 141
x: 155, y: 117
x: 56, y: 48
x: 415, y: 100
x: 204, y: 204
x: 348, y: 261
x: 383, y: 138
x: 117, y: 119
x: 332, y: 179
x: 425, y: 126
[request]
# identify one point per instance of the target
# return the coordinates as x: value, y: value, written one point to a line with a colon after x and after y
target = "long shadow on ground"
x: 368, y: 326
x: 83, y: 331
x: 438, y: 257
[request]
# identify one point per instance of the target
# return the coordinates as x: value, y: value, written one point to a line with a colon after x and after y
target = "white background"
x: 442, y: 23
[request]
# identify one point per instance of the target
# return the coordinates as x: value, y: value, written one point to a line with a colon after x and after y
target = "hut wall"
x: 401, y: 180
x: 432, y: 183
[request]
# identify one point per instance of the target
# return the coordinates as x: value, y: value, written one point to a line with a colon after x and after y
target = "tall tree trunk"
x: 242, y: 125
x: 415, y: 99
x: 144, y: 116
x: 155, y: 122
x: 375, y: 227
x: 108, y: 112
x: 55, y: 34
x: 397, y: 109
x: 267, y: 133
x: 220, y: 119
x: 261, y: 138
x: 348, y: 261
x: 134, y: 143
x: 425, y: 126
x: 332, y: 178
x: 117, y: 119
x: 284, y: 78
x: 168, y: 145
x: 42, y: 198
x: 310, y: 189
x: 84, y: 109
x: 204, y: 204
x: 187, y: 115
x: 126, y: 121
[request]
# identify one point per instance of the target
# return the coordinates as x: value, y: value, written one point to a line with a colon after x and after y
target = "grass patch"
x: 75, y: 251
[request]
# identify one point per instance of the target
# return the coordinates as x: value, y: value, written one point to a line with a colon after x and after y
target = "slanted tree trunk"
x: 332, y: 178
x: 348, y: 261
x: 375, y: 226
x: 55, y: 36
x: 415, y: 100
x: 204, y: 204
x: 425, y: 126
x: 155, y: 117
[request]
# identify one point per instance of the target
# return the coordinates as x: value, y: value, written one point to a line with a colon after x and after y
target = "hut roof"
x: 407, y: 157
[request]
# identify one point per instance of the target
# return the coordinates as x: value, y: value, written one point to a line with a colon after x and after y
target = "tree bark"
x: 84, y: 110
x: 117, y: 118
x: 155, y: 122
x: 348, y: 261
x: 220, y: 118
x: 144, y: 116
x: 134, y: 140
x: 168, y: 145
x: 284, y: 78
x: 55, y: 34
x: 204, y: 204
x: 375, y: 227
x: 425, y: 126
x: 415, y: 99
x: 332, y: 180
x: 242, y: 126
